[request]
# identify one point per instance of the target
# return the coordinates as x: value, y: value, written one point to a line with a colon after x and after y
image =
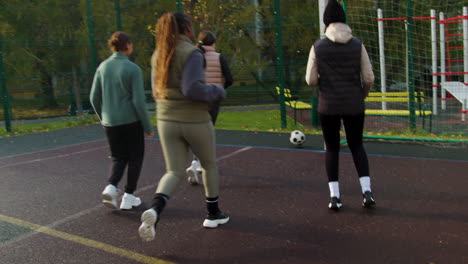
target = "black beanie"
x: 333, y: 13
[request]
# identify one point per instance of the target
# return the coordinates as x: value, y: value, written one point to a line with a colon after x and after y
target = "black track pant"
x: 354, y: 125
x: 214, y: 111
x: 127, y: 146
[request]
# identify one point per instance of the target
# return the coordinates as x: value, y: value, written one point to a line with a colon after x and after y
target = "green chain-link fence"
x: 50, y: 51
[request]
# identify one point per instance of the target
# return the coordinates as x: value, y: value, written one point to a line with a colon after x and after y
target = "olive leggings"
x: 176, y: 140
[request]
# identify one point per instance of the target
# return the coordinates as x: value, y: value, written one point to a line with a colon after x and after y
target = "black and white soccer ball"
x: 297, y: 137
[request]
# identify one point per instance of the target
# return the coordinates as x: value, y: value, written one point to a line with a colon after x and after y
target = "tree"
x: 45, y: 47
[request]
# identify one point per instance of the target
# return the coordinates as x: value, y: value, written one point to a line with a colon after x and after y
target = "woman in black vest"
x: 337, y: 63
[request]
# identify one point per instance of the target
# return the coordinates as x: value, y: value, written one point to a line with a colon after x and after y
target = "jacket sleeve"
x: 312, y: 72
x: 366, y: 71
x: 95, y: 96
x: 138, y: 100
x: 193, y: 81
x: 226, y: 72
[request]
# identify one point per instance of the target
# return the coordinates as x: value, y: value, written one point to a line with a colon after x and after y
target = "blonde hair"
x: 167, y: 33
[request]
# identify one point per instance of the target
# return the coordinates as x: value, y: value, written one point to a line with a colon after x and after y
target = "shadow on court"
x: 277, y: 198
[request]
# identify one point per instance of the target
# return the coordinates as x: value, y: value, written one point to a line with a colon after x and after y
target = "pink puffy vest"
x: 213, y: 72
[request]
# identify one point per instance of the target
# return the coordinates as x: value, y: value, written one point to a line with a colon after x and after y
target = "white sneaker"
x: 147, y: 229
x: 110, y: 196
x: 129, y: 201
x: 212, y: 221
x: 192, y: 173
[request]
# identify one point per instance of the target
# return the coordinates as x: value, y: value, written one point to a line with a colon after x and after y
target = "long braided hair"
x: 168, y: 29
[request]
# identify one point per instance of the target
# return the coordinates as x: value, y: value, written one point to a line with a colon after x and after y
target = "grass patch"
x: 255, y: 120
x: 30, y: 112
x: 419, y: 133
x: 258, y: 120
x: 67, y: 122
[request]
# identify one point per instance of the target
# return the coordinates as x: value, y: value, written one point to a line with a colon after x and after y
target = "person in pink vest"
x: 217, y: 72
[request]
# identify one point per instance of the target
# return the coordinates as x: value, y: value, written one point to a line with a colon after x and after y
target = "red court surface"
x: 277, y: 199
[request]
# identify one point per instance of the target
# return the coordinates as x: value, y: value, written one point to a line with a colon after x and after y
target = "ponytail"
x: 167, y: 34
x: 205, y: 38
x: 200, y: 46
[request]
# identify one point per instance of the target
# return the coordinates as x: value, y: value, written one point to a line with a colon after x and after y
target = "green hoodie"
x: 118, y: 95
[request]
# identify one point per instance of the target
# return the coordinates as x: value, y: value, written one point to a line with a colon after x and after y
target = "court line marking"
x: 84, y: 241
x: 323, y: 151
x: 100, y: 206
x: 71, y: 218
x: 45, y: 150
x: 234, y: 153
x: 50, y: 227
x: 343, y: 153
x: 52, y: 157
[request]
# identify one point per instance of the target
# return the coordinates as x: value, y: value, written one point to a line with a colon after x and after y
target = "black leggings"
x: 214, y: 111
x: 354, y: 125
x: 127, y: 146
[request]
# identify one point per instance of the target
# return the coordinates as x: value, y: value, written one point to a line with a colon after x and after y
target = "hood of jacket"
x: 339, y: 33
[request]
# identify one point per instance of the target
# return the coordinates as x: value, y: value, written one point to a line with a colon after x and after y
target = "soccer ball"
x: 297, y: 137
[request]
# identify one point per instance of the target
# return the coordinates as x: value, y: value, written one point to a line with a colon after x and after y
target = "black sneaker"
x: 335, y: 204
x: 213, y: 220
x: 368, y: 200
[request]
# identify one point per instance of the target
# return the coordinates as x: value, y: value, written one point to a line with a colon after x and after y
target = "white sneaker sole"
x: 338, y: 206
x: 146, y: 229
x: 193, y: 177
x: 214, y: 223
x: 128, y: 205
x: 370, y: 204
x: 109, y: 201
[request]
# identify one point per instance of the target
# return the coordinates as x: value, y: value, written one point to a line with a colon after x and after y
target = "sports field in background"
x: 275, y: 193
x: 413, y: 46
x: 54, y: 161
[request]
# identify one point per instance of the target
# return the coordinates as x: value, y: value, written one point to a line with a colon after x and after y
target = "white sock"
x: 365, y: 183
x: 334, y: 189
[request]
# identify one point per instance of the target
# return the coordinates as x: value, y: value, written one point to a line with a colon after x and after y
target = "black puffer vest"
x: 339, y: 69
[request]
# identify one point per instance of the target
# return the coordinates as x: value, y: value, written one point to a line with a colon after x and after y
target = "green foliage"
x: 259, y: 120
x: 45, y: 42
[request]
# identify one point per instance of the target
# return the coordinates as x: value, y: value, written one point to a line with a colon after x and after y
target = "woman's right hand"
x: 222, y: 93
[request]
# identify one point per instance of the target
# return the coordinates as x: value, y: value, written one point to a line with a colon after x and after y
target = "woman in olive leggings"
x: 184, y: 122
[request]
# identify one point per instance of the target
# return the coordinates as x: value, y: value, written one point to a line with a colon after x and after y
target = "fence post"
x: 345, y: 9
x: 92, y: 46
x: 313, y: 112
x: 279, y: 60
x: 409, y: 32
x: 434, y: 61
x: 180, y: 8
x: 117, y: 15
x: 5, y: 97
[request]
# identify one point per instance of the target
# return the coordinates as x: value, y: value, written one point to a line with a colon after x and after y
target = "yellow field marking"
x: 84, y: 241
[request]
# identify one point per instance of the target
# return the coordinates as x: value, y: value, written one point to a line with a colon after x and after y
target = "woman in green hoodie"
x: 118, y: 98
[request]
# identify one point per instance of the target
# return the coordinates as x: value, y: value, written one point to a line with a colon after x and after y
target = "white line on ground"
x: 232, y: 153
x: 52, y: 157
x: 97, y: 207
x: 46, y: 150
x: 71, y: 218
